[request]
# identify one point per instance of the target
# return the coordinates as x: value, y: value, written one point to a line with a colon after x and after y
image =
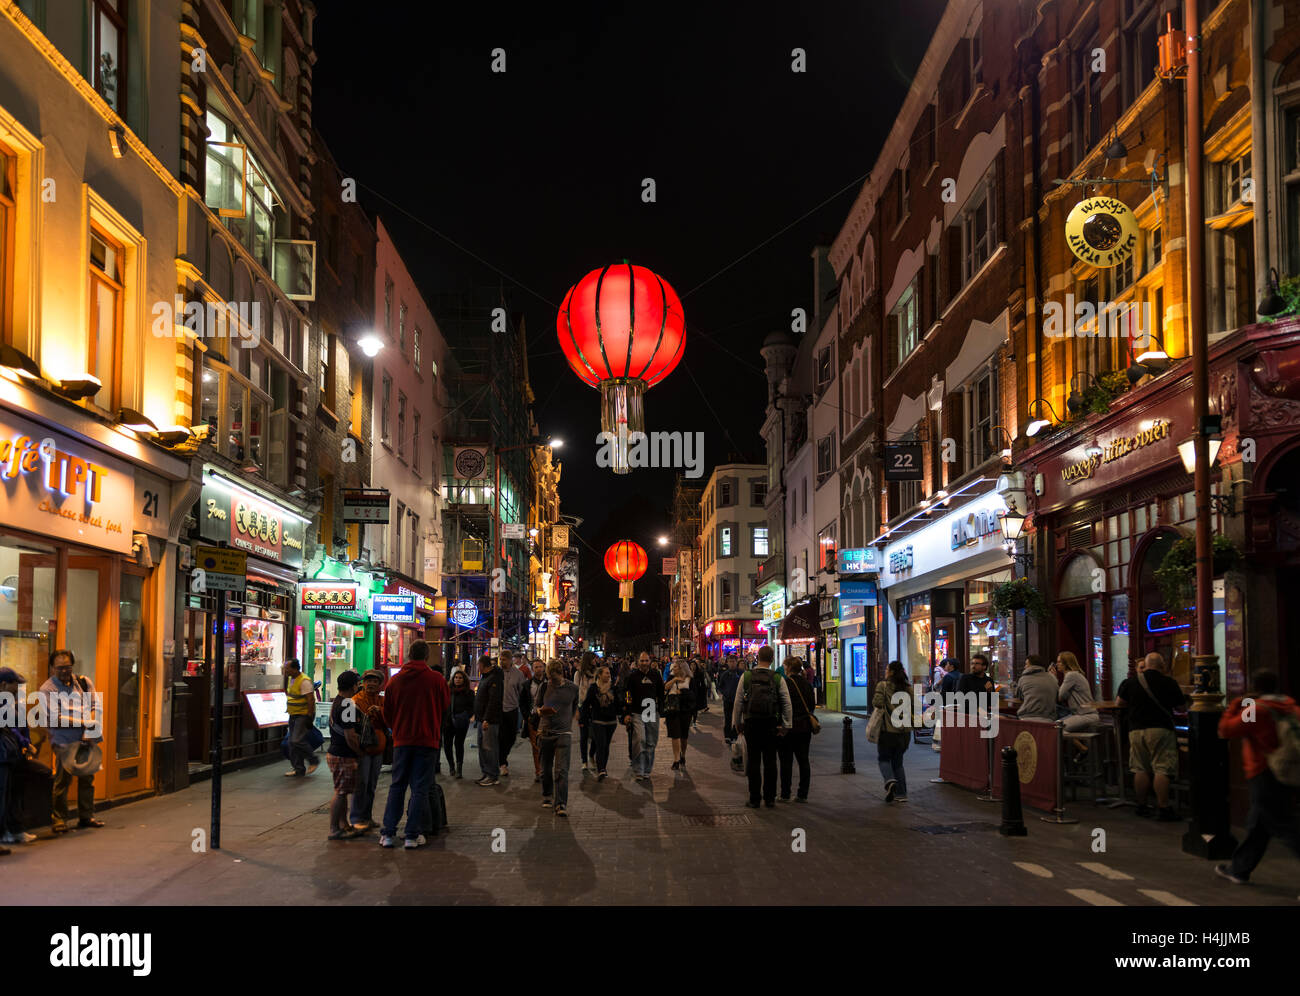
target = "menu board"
x: 24, y: 652
x: 268, y: 708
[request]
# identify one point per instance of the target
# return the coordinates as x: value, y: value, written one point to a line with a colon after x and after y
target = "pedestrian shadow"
x: 684, y: 798
x: 554, y: 866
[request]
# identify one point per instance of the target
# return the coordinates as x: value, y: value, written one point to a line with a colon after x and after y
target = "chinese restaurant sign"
x: 254, y: 525
x: 57, y: 487
x: 328, y: 595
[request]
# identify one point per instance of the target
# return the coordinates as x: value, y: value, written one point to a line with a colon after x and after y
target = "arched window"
x: 1076, y: 581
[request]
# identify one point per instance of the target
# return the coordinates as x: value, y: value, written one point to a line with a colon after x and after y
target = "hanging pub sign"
x: 469, y: 463
x: 903, y: 462
x: 1101, y: 231
x: 328, y: 595
x: 366, y: 506
x: 559, y: 537
x: 231, y: 513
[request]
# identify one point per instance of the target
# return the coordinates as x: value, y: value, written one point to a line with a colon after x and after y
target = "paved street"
x: 687, y: 840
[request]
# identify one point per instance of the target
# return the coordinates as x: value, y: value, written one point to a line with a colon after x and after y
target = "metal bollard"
x: 1013, y: 820
x: 847, y: 767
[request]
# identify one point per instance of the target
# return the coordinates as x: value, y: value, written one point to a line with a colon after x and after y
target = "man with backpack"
x: 415, y: 701
x: 1269, y: 725
x: 1150, y: 699
x: 762, y: 711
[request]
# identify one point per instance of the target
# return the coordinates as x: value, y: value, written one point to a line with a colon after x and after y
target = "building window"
x: 327, y: 370
x: 904, y: 193
x: 107, y: 289
x: 726, y: 594
x: 401, y: 424
x: 803, y: 492
x: 401, y: 328
x: 979, y: 227
x: 1121, y: 277
x: 253, y: 224
x: 758, y: 494
x: 907, y: 329
x: 397, y: 551
x: 975, y: 61
x: 356, y: 392
x: 1151, y: 251
x: 724, y: 494
x: 415, y: 351
x: 385, y: 404
x: 415, y: 442
x: 1085, y: 100
x: 725, y: 546
x: 108, y: 50
x: 388, y: 304
x: 823, y: 368
x: 1139, y: 40
x: 8, y: 219
x: 415, y: 546
x: 825, y: 458
x: 981, y: 404
x: 760, y: 541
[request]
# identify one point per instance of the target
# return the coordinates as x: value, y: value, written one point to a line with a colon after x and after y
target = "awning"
x: 803, y: 622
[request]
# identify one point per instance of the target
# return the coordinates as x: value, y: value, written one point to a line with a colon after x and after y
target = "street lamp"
x: 1037, y: 425
x: 1013, y: 524
x: 370, y: 344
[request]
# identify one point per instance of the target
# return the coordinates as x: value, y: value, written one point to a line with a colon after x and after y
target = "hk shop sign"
x: 247, y: 522
x: 56, y: 487
x: 970, y: 529
x: 328, y: 596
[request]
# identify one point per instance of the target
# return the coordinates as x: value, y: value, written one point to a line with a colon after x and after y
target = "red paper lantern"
x: 626, y: 561
x: 622, y: 329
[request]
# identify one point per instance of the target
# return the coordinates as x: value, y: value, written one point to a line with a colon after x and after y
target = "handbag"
x: 813, y: 721
x: 672, y: 704
x: 875, y: 725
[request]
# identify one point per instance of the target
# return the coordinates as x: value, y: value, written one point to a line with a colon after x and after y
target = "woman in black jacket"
x: 794, y: 744
x: 600, y: 711
x: 460, y: 710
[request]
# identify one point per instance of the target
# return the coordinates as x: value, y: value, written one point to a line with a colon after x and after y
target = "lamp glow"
x: 371, y: 345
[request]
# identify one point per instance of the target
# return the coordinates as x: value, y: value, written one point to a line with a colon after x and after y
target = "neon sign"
x: 1168, y: 629
x: 463, y: 612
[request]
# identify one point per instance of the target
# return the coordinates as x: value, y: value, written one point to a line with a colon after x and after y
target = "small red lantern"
x: 622, y: 330
x: 626, y: 561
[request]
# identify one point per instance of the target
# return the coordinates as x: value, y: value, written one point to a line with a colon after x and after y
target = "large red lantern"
x: 622, y: 330
x: 626, y: 561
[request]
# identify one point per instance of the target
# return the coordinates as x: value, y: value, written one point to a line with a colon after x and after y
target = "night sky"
x: 534, y: 177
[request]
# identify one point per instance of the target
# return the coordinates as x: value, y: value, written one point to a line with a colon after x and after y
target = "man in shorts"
x: 1149, y: 701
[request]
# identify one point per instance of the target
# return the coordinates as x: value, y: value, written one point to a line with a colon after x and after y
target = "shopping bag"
x: 875, y: 725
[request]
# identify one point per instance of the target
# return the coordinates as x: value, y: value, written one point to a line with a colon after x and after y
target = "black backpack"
x: 762, y: 696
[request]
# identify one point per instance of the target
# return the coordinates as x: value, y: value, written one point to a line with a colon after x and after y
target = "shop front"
x: 403, y: 613
x: 335, y: 631
x: 937, y: 582
x: 85, y: 565
x: 257, y: 634
x: 722, y: 637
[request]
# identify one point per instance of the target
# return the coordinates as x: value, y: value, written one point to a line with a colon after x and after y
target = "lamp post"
x: 1208, y: 834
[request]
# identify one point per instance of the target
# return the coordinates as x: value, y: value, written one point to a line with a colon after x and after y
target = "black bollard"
x: 847, y: 766
x: 1013, y: 820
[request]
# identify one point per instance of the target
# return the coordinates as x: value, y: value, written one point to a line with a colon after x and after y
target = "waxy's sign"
x: 1084, y: 469
x: 64, y: 489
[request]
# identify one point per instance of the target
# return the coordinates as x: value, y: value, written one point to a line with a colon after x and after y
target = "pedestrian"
x: 558, y: 705
x: 16, y: 750
x: 533, y: 719
x: 952, y: 676
x: 699, y: 690
x: 460, y: 710
x: 1149, y: 700
x: 586, y: 676
x: 893, y: 739
x: 415, y: 701
x: 1270, y: 760
x: 370, y: 759
x: 301, y: 693
x: 643, y: 702
x: 600, y: 716
x: 794, y: 745
x: 344, y: 749
x: 72, y: 710
x: 512, y: 682
x: 1075, y: 694
x: 1036, y: 692
x: 679, y: 711
x: 487, y: 712
x: 727, y: 685
x: 762, y: 712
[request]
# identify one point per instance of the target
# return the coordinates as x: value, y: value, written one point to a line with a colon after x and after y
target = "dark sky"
x: 534, y: 177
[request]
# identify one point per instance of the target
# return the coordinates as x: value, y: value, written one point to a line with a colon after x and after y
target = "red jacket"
x: 1261, y: 735
x: 414, y: 701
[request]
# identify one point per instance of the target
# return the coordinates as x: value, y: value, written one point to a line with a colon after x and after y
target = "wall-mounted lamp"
x: 1187, y: 450
x: 117, y: 140
x: 1037, y: 425
x: 172, y: 436
x: 1093, y: 449
x: 371, y: 344
x: 1271, y: 302
x: 129, y: 418
x: 78, y: 388
x: 1006, y: 434
x: 1075, y: 404
x: 18, y: 363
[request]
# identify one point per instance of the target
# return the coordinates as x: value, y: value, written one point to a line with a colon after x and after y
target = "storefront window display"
x: 261, y: 655
x: 986, y: 633
x: 27, y: 600
x: 332, y: 654
x: 915, y: 636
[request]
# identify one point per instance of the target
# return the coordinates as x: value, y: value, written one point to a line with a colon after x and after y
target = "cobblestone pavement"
x: 683, y: 839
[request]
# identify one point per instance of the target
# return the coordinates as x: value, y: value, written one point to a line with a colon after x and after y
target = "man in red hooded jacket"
x: 1272, y: 804
x: 415, y: 700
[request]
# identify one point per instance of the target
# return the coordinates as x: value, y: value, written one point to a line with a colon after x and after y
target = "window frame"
x: 119, y: 288
x: 113, y: 12
x: 385, y: 405
x: 8, y: 240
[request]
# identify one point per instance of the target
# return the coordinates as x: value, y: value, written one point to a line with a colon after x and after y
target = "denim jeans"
x: 728, y: 731
x: 1272, y: 814
x: 644, y: 737
x: 363, y: 799
x: 299, y: 749
x: 891, y: 748
x: 791, y: 748
x: 453, y: 742
x: 412, y: 766
x: 555, y: 766
x: 601, y: 735
x: 487, y: 750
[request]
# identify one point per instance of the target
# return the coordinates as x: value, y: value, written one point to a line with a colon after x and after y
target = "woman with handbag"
x: 794, y: 745
x: 460, y: 710
x: 679, y: 710
x: 893, y: 740
x: 600, y: 716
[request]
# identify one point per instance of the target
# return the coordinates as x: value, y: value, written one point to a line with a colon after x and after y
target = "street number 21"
x: 151, y: 504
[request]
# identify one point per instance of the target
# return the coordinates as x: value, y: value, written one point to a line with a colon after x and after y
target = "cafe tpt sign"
x: 1114, y: 450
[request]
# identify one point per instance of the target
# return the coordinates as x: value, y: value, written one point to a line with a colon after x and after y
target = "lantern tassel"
x: 622, y: 416
x: 625, y: 593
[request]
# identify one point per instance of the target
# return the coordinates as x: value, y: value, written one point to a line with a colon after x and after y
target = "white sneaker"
x: 411, y: 845
x: 385, y: 841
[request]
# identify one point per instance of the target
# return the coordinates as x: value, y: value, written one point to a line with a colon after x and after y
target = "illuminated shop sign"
x: 328, y: 595
x: 229, y: 512
x: 392, y: 608
x: 464, y: 612
x: 900, y: 560
x: 857, y: 561
x: 970, y: 529
x: 1116, y: 448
